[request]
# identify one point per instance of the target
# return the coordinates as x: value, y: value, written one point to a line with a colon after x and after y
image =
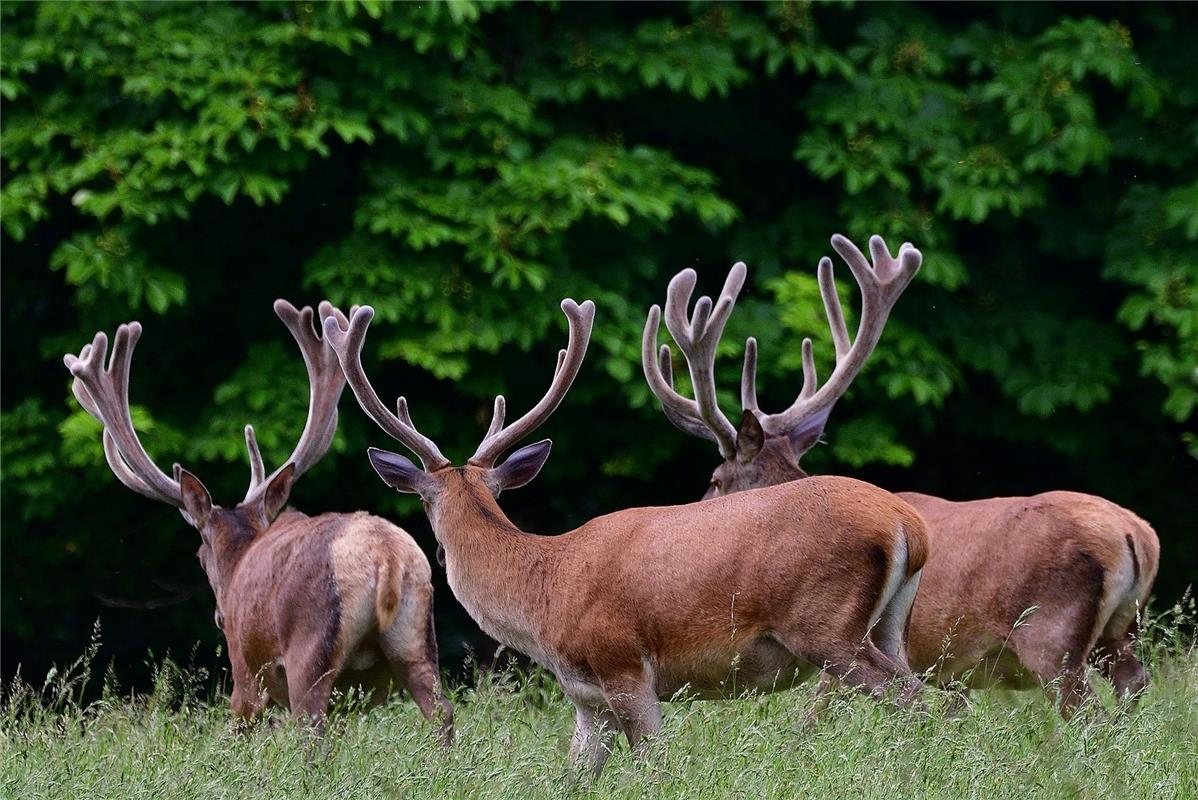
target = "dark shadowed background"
x: 463, y: 167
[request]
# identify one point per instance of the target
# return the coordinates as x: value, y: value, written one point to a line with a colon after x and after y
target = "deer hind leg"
x: 413, y: 660
x: 1055, y: 647
x: 636, y: 707
x: 1056, y: 640
x: 591, y: 744
x: 424, y: 684
x: 1115, y: 656
x: 312, y: 670
x: 1118, y: 664
x: 889, y: 635
x: 872, y: 671
x: 854, y: 660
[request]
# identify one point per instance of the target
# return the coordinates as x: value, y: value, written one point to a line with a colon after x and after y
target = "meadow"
x: 513, y: 730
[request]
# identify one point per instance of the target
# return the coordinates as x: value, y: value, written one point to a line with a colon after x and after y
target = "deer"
x: 751, y: 592
x: 306, y: 604
x: 1017, y: 592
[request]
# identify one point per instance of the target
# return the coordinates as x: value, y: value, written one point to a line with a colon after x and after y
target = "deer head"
x: 765, y: 449
x: 436, y: 480
x: 225, y: 532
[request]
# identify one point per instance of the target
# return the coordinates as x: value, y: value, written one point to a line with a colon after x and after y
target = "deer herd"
x: 773, y: 577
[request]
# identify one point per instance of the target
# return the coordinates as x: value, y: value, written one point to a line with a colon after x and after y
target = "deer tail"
x: 387, y: 592
x: 916, y: 532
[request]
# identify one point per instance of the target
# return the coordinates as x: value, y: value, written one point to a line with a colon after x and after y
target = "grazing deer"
x: 1017, y: 591
x: 307, y: 604
x: 748, y: 592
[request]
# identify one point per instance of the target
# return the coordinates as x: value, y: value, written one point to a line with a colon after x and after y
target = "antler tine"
x: 881, y: 285
x: 104, y: 393
x: 501, y: 409
x: 748, y: 377
x: 580, y: 319
x: 257, y: 470
x: 832, y: 307
x: 698, y: 339
x: 346, y: 337
x: 325, y: 384
x: 401, y: 411
x: 810, y: 380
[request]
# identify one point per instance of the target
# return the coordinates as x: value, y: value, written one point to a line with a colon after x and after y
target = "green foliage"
x: 462, y: 166
x: 1163, y: 268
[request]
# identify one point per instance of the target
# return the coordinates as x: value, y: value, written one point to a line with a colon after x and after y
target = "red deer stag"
x: 749, y: 592
x: 307, y: 604
x: 1018, y: 591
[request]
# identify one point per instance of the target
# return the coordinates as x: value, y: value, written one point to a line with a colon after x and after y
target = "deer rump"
x: 1075, y: 572
x: 751, y: 592
x: 347, y: 592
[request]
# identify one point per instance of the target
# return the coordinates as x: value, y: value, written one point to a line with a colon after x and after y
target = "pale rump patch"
x: 890, y: 633
x: 379, y: 576
x: 356, y: 559
x: 1112, y: 533
x: 406, y: 632
x: 1118, y: 596
x: 896, y: 572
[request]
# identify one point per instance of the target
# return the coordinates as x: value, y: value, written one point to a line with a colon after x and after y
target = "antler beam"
x: 580, y: 319
x: 346, y: 337
x: 104, y: 393
x: 325, y: 384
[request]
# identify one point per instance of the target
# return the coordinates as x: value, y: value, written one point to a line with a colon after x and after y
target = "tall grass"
x: 513, y: 731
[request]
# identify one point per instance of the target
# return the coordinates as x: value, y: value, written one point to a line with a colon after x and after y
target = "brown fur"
x: 313, y: 604
x: 1062, y: 553
x: 748, y: 592
x: 1085, y: 565
x: 1080, y: 566
x: 751, y: 591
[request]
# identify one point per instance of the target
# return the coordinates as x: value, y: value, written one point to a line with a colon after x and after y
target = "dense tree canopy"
x: 462, y: 166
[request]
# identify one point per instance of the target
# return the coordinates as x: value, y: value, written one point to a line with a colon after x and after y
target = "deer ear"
x: 520, y: 467
x: 277, y: 492
x: 806, y: 435
x: 399, y: 472
x: 196, y: 500
x: 750, y: 437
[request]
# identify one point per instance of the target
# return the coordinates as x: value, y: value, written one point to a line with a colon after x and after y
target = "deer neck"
x: 227, y: 555
x: 499, y: 573
x: 777, y: 462
x: 233, y: 538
